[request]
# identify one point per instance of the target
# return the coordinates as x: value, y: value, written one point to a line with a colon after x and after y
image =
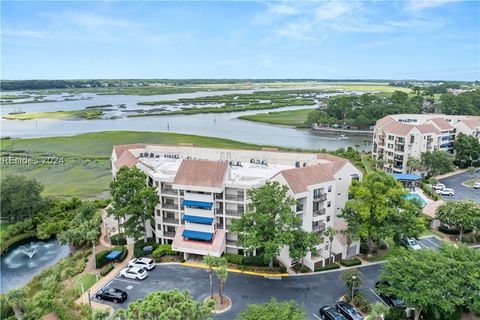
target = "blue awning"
x: 114, y: 255
x: 196, y: 219
x: 207, y: 236
x: 200, y: 204
x: 406, y: 176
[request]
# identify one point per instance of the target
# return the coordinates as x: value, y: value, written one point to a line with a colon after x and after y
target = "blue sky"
x: 249, y: 39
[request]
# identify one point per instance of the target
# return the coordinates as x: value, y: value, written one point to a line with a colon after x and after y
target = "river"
x: 222, y: 125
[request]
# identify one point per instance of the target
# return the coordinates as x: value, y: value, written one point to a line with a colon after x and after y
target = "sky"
x: 429, y: 40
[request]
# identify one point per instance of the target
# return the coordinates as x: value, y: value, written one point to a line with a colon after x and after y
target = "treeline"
x: 94, y: 83
x: 433, y: 86
x: 363, y: 111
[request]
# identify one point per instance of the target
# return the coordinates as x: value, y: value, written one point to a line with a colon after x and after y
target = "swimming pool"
x: 416, y: 196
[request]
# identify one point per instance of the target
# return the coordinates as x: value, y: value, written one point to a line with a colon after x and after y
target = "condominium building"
x: 202, y: 190
x: 398, y: 138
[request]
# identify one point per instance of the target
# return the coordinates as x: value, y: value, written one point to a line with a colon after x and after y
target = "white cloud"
x: 418, y: 5
x: 22, y: 33
x: 282, y: 9
x: 333, y: 10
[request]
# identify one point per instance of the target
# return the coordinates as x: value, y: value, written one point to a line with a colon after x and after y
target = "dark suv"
x: 391, y: 301
x: 348, y: 311
x: 111, y: 294
x: 329, y: 313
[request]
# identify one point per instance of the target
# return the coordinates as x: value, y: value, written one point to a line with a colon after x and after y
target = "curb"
x: 260, y: 274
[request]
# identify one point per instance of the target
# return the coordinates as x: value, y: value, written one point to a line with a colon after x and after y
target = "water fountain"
x: 21, y: 262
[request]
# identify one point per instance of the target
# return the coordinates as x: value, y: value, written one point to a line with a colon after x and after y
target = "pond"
x: 27, y: 258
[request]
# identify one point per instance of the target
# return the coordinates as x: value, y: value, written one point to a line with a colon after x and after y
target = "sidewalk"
x: 446, y: 175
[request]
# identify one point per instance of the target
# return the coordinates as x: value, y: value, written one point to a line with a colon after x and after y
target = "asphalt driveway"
x: 462, y: 192
x: 313, y: 291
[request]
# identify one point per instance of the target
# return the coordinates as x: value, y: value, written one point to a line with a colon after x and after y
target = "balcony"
x: 169, y: 234
x: 235, y: 213
x: 170, y: 220
x: 319, y: 197
x: 239, y: 197
x: 319, y: 227
x: 319, y: 212
x: 219, y: 225
x: 219, y: 196
x: 299, y: 208
x: 170, y: 206
x: 169, y: 191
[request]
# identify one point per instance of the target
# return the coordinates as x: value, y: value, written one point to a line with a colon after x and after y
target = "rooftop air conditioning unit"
x: 305, y: 164
x: 252, y: 160
x: 297, y: 164
x: 264, y: 162
x: 151, y: 155
x: 239, y: 163
x: 188, y: 158
x: 157, y: 156
x: 258, y: 161
x: 140, y: 155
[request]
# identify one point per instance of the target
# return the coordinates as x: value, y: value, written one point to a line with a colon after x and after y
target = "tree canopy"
x: 21, y: 197
x: 270, y: 223
x: 437, y: 162
x: 84, y: 227
x: 377, y: 209
x: 464, y: 215
x: 133, y: 200
x: 467, y: 150
x: 273, y: 310
x: 437, y: 281
x: 167, y: 305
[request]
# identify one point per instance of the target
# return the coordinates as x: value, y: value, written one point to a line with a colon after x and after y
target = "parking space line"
x: 129, y: 281
x: 436, y: 245
x: 317, y: 317
x: 423, y: 245
x: 376, y: 295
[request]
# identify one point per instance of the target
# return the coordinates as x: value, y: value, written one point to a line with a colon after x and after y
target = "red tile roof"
x: 123, y: 147
x: 472, y: 123
x: 203, y: 173
x: 126, y: 159
x: 442, y: 124
x: 300, y: 178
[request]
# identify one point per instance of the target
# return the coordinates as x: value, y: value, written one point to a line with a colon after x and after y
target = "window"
x: 329, y: 204
x: 390, y: 146
x: 329, y: 188
x: 316, y: 193
x: 391, y: 137
x: 328, y: 218
x: 412, y: 139
x: 316, y: 206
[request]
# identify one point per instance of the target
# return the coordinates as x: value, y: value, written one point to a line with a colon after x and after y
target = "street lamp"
x: 353, y: 285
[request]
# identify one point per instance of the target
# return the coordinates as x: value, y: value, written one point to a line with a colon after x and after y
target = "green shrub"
x: 283, y: 269
x: 5, y: 311
x: 163, y: 250
x: 331, y: 266
x: 118, y: 239
x: 4, y: 245
x: 138, y: 252
x: 396, y: 314
x: 383, y: 245
x: 361, y: 302
x: 451, y: 231
x: 140, y: 244
x: 106, y: 270
x: 298, y: 268
x: 256, y: 261
x: 234, y: 258
x: 19, y: 228
x: 101, y: 258
x: 347, y: 298
x: 351, y: 262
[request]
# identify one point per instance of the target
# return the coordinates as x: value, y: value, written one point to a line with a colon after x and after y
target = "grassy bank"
x: 85, y: 171
x: 78, y: 114
x: 471, y: 182
x: 289, y: 118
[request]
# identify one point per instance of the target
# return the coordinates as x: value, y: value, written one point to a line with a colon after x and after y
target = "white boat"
x: 343, y: 137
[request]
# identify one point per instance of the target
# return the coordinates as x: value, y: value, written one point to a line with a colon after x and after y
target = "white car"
x: 476, y: 185
x: 134, y: 273
x: 412, y: 243
x: 438, y: 186
x: 143, y: 263
x: 446, y: 192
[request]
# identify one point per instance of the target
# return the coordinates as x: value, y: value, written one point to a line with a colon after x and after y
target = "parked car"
x: 111, y: 294
x: 134, y: 273
x: 329, y: 313
x: 144, y: 263
x: 390, y: 301
x: 476, y: 185
x: 438, y: 186
x: 348, y: 311
x: 412, y: 243
x: 446, y: 192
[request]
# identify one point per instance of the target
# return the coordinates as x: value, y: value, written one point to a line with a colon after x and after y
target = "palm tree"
x: 330, y: 233
x: 351, y: 236
x: 413, y: 164
x: 379, y: 310
x: 210, y: 262
x: 16, y: 300
x: 222, y: 275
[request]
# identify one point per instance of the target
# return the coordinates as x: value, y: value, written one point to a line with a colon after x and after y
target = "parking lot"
x: 313, y: 291
x: 462, y: 192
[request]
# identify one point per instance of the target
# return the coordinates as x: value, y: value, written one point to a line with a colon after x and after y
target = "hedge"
x: 163, y: 250
x: 234, y: 258
x: 124, y: 252
x: 138, y: 247
x: 118, y: 239
x: 101, y: 258
x: 351, y: 262
x: 331, y: 266
x: 106, y: 270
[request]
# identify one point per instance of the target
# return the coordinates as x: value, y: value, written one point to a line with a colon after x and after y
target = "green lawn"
x: 288, y: 118
x: 87, y: 279
x: 471, y: 182
x: 85, y: 172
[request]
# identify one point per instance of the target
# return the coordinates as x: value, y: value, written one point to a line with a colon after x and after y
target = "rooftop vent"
x: 264, y: 162
x: 151, y: 155
x: 297, y: 164
x: 252, y: 160
x: 305, y: 164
